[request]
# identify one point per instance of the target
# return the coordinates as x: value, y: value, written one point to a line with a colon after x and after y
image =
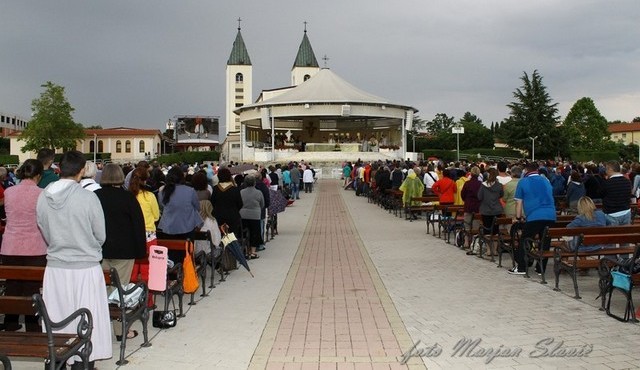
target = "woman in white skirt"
x: 72, y: 223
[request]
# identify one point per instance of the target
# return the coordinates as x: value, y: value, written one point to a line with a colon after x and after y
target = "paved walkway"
x: 347, y: 285
x: 333, y: 311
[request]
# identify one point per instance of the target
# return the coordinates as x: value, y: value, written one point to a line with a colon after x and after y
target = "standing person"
x: 151, y: 214
x: 46, y: 156
x: 445, y: 188
x: 267, y: 201
x: 72, y: 224
x: 252, y: 205
x: 227, y: 202
x: 89, y: 179
x: 490, y: 196
x: 616, y: 195
x: 411, y: 188
x: 180, y: 210
x: 295, y: 182
x: 430, y: 178
x: 346, y: 173
x: 23, y: 244
x: 307, y: 178
x: 469, y: 195
x: 510, y: 192
x: 503, y: 178
x: 534, y: 198
x: 124, y: 223
x: 575, y: 190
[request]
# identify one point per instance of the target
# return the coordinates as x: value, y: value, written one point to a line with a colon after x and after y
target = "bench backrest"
x: 558, y: 232
x: 633, y: 238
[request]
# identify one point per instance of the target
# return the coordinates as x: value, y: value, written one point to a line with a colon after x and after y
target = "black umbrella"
x: 230, y: 242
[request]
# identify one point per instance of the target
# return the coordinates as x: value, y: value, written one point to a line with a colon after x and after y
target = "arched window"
x: 306, y: 77
x: 141, y: 146
x: 92, y: 146
x: 118, y: 146
x: 239, y: 78
x: 100, y: 146
x: 127, y: 146
x: 157, y: 148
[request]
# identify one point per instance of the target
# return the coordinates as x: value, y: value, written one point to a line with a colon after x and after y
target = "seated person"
x: 588, y: 216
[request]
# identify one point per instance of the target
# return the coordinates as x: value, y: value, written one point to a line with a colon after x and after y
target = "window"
x: 239, y: 78
x: 127, y: 146
x: 141, y: 146
x: 239, y: 89
x: 624, y: 136
x: 92, y: 146
x: 235, y: 146
x: 100, y: 146
x: 239, y: 105
x: 240, y: 97
x: 306, y: 77
x: 118, y: 146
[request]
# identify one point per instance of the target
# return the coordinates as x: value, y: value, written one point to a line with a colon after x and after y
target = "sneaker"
x: 514, y: 271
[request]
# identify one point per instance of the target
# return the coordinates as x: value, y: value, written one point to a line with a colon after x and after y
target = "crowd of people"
x: 531, y: 193
x: 77, y: 218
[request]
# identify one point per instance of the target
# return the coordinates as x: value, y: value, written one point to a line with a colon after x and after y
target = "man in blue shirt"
x: 534, y: 198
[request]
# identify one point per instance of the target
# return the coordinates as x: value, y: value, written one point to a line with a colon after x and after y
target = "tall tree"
x: 476, y: 135
x: 532, y: 116
x: 441, y: 122
x: 585, y: 126
x: 51, y: 125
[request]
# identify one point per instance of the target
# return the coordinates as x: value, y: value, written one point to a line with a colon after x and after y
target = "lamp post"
x: 533, y: 148
x: 638, y: 142
x: 457, y: 130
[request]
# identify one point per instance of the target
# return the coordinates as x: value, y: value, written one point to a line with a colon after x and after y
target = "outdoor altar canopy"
x: 325, y: 114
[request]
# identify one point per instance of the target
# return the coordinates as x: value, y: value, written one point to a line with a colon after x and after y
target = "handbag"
x: 190, y: 283
x: 130, y: 300
x: 164, y: 319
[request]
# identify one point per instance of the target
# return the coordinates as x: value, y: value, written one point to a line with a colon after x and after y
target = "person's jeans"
x: 619, y: 220
x: 308, y: 187
x: 530, y: 230
x: 295, y: 191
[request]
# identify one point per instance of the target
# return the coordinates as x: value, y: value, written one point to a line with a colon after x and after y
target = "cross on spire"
x: 239, y: 20
x: 326, y: 59
x: 305, y: 26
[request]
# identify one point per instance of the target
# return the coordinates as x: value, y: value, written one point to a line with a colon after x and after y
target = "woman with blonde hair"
x: 588, y: 215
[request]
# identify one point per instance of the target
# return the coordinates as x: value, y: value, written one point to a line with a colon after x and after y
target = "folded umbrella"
x: 230, y: 242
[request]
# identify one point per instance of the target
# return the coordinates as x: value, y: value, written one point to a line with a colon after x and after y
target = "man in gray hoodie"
x: 72, y: 223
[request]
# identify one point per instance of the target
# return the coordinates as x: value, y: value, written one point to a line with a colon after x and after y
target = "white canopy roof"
x: 324, y: 87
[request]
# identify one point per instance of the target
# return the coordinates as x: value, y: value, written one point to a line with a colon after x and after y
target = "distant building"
x: 626, y: 133
x: 10, y: 123
x: 125, y: 144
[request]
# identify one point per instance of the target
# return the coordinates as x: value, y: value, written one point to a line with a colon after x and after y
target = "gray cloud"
x: 139, y: 63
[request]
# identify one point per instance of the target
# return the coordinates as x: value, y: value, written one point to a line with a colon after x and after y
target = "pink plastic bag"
x: 158, y: 268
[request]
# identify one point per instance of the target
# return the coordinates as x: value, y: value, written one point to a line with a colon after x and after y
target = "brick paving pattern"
x: 334, y: 313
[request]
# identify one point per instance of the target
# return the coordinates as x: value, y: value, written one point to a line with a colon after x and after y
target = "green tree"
x: 532, y: 116
x: 52, y: 125
x: 476, y: 135
x: 94, y: 127
x: 585, y: 126
x: 441, y: 122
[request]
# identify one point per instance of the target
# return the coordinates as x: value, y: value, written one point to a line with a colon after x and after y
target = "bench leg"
x: 574, y: 275
x: 556, y: 272
x: 6, y: 363
x: 144, y: 319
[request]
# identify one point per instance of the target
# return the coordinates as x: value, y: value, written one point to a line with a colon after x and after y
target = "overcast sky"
x: 139, y: 63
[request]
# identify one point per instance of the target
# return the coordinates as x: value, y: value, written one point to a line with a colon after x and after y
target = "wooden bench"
x: 499, y: 242
x: 411, y: 210
x: 572, y: 261
x: 607, y: 288
x: 54, y: 348
x: 554, y: 236
x: 119, y: 312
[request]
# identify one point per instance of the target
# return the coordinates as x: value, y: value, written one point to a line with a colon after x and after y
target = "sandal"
x: 130, y: 335
x: 471, y: 253
x: 253, y: 256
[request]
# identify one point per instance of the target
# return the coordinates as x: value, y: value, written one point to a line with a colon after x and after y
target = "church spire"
x: 305, y: 57
x: 239, y: 54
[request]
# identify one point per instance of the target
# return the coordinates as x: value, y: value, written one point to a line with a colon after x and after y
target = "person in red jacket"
x: 445, y: 188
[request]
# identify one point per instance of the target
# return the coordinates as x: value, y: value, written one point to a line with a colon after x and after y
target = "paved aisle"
x: 333, y: 311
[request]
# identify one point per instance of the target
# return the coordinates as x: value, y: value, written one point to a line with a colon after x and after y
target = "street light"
x: 533, y: 148
x: 458, y: 129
